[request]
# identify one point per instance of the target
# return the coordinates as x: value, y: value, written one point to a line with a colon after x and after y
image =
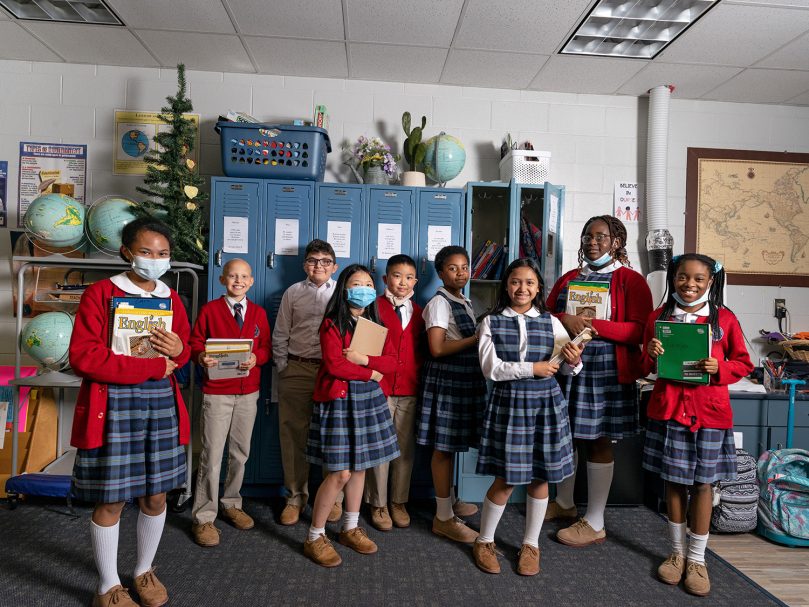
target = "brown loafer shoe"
x: 462, y: 509
x: 454, y: 529
x: 696, y: 579
x: 239, y: 518
x: 358, y: 540
x: 556, y: 512
x: 528, y: 560
x: 206, y: 534
x: 336, y: 512
x: 322, y: 552
x: 151, y: 592
x: 672, y: 569
x: 290, y: 515
x: 380, y: 518
x: 117, y: 596
x: 485, y: 554
x: 399, y: 515
x: 581, y: 534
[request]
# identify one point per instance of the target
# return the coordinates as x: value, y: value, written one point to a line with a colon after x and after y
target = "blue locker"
x: 543, y: 205
x: 343, y: 203
x: 392, y: 213
x: 436, y: 208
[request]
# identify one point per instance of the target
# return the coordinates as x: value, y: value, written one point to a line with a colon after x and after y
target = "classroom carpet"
x: 46, y: 560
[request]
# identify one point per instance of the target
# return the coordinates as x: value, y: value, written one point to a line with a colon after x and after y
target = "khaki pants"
x: 403, y: 411
x: 225, y: 418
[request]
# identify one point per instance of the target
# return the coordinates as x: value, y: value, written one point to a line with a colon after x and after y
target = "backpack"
x: 735, y: 501
x: 783, y: 505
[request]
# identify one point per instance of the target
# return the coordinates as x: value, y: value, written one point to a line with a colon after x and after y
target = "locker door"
x: 340, y: 214
x: 392, y: 217
x: 552, y: 234
x: 440, y: 224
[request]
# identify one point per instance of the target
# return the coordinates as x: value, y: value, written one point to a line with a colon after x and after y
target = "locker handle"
x: 423, y: 265
x: 218, y: 258
x: 271, y: 260
x: 373, y: 264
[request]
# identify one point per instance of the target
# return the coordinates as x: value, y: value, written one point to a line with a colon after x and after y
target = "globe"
x: 46, y: 339
x: 135, y: 143
x: 444, y: 158
x: 105, y: 222
x: 55, y: 220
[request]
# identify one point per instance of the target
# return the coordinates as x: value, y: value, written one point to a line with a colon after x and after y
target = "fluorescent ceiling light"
x: 638, y: 29
x: 68, y: 11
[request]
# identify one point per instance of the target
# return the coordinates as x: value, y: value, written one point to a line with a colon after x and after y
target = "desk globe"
x: 55, y: 220
x: 106, y: 219
x: 444, y: 158
x: 46, y: 339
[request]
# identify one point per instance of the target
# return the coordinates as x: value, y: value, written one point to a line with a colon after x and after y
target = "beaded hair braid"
x: 617, y: 230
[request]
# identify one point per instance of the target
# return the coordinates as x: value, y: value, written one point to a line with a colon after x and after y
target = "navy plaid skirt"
x: 353, y: 433
x: 453, y: 398
x: 141, y: 454
x: 599, y: 405
x: 526, y: 433
x: 681, y: 456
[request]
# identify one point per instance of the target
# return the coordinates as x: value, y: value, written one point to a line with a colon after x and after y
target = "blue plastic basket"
x: 273, y: 151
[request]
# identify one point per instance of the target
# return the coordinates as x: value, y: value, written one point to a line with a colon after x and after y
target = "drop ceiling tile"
x: 597, y: 75
x: 299, y: 57
x: 322, y: 19
x: 16, y: 43
x: 93, y: 43
x: 534, y: 26
x: 690, y: 81
x: 416, y: 22
x: 796, y: 3
x: 792, y: 56
x: 183, y: 15
x: 3, y: 15
x: 762, y: 86
x: 212, y: 52
x: 737, y: 35
x: 491, y: 69
x: 398, y: 63
x: 802, y: 99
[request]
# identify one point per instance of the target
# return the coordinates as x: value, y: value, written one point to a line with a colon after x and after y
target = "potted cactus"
x: 414, y: 150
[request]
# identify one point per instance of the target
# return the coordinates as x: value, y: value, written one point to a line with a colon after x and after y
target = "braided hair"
x: 715, y: 300
x: 617, y: 231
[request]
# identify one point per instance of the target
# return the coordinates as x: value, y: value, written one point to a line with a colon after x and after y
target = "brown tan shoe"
x: 485, y: 554
x: 322, y: 552
x: 581, y: 534
x: 556, y: 512
x: 358, y: 540
x: 290, y: 515
x: 151, y: 592
x: 528, y: 560
x: 696, y: 579
x: 239, y: 518
x: 117, y: 596
x: 206, y: 534
x: 454, y: 529
x: 336, y: 512
x: 399, y: 515
x: 672, y: 569
x: 381, y: 519
x: 462, y: 509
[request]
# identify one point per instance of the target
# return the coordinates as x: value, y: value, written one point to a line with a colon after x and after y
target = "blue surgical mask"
x: 150, y: 269
x: 696, y: 302
x: 361, y: 297
x: 601, y: 261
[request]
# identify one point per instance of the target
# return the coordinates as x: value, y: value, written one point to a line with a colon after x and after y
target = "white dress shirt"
x: 680, y: 315
x: 123, y: 282
x: 438, y: 313
x: 407, y: 313
x: 608, y: 269
x: 232, y: 302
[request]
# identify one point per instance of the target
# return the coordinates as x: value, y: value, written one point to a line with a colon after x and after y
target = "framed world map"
x: 750, y: 210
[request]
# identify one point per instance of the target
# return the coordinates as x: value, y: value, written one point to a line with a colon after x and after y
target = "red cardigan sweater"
x: 216, y: 320
x: 699, y: 406
x: 336, y: 371
x: 409, y: 344
x: 630, y: 305
x: 93, y: 360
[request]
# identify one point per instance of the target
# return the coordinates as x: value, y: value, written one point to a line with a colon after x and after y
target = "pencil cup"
x: 772, y: 383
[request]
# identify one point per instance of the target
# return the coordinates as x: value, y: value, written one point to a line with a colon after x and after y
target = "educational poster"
x: 45, y: 168
x: 3, y: 193
x: 627, y: 201
x: 134, y: 137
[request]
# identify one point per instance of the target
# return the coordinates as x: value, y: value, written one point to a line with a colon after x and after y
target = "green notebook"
x: 684, y: 345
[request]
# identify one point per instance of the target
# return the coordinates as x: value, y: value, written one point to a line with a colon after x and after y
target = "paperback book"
x: 229, y: 355
x: 588, y: 299
x: 684, y: 345
x: 132, y: 322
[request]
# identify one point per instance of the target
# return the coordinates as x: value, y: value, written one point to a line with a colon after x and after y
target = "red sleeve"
x: 385, y: 364
x: 334, y: 363
x: 200, y: 334
x: 637, y: 304
x: 736, y: 362
x: 180, y: 326
x: 263, y: 349
x: 648, y: 364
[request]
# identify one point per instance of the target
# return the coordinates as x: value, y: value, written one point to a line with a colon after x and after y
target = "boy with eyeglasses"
x: 296, y: 352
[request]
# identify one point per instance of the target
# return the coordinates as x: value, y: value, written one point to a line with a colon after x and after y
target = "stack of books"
x: 490, y: 261
x: 229, y: 355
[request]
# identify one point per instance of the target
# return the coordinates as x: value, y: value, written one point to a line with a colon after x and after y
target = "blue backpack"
x: 783, y: 504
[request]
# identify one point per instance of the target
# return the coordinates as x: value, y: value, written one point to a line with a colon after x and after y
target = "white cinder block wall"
x: 595, y: 140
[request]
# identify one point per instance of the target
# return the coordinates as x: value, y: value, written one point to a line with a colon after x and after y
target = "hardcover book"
x: 133, y: 320
x: 229, y: 354
x: 588, y: 299
x: 684, y: 345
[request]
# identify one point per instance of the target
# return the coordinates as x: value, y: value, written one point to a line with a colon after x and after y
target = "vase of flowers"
x: 371, y: 160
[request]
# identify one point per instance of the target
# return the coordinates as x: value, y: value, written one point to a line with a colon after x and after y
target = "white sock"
x: 150, y: 530
x: 599, y: 479
x: 564, y: 490
x: 489, y: 519
x: 443, y: 508
x: 677, y: 537
x: 696, y: 547
x: 316, y: 532
x: 534, y: 516
x: 350, y: 520
x: 105, y: 553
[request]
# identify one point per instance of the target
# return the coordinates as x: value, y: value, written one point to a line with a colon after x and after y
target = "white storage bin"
x: 515, y: 165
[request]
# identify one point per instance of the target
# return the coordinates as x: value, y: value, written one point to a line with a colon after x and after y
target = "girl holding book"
x: 689, y: 438
x: 130, y: 422
x: 606, y: 295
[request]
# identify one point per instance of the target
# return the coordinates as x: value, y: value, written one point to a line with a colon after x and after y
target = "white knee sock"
x: 489, y: 519
x: 599, y: 479
x: 105, y: 553
x: 534, y: 516
x: 350, y: 520
x: 443, y: 508
x: 677, y: 537
x: 564, y: 490
x: 150, y: 530
x: 316, y: 532
x: 696, y: 547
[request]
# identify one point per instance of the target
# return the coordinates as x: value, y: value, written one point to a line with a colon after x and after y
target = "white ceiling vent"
x: 66, y: 11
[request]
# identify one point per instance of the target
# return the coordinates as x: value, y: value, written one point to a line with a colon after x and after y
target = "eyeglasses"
x: 311, y: 261
x: 599, y: 238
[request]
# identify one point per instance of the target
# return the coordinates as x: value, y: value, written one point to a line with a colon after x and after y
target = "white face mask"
x: 150, y: 269
x: 601, y: 261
